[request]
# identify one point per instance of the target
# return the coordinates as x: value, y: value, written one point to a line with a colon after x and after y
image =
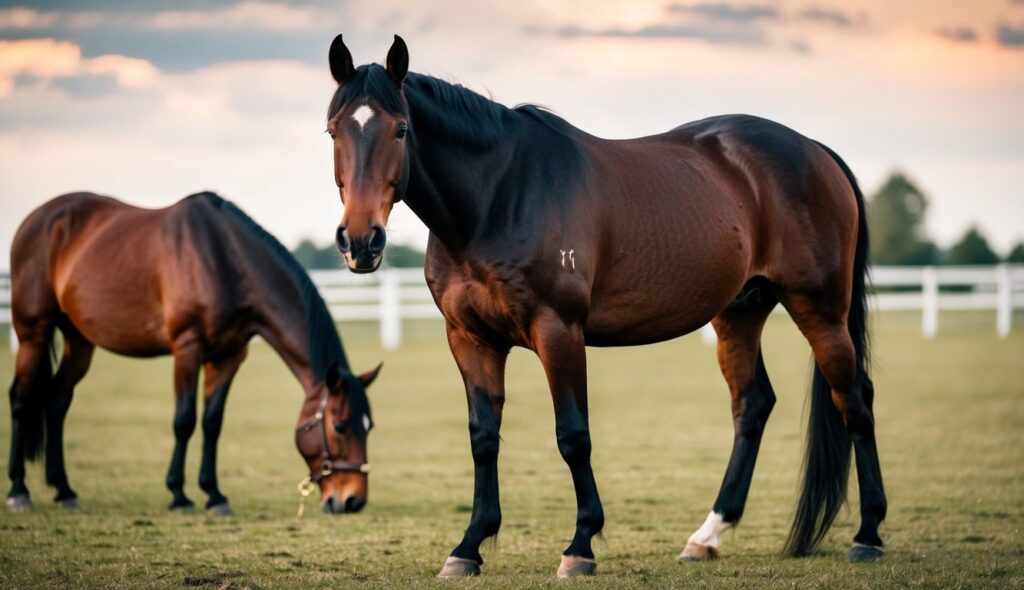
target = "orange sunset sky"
x: 152, y: 101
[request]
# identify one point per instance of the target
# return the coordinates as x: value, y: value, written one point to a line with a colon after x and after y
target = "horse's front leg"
x: 186, y: 378
x: 217, y: 376
x: 562, y: 351
x: 483, y: 372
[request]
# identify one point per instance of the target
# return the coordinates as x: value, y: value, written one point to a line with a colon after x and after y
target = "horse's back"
x: 702, y: 209
x: 126, y: 277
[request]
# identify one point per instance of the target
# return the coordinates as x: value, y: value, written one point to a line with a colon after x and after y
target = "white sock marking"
x: 362, y: 115
x: 707, y: 534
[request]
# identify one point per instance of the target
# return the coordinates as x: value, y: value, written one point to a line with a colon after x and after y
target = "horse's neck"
x: 284, y: 325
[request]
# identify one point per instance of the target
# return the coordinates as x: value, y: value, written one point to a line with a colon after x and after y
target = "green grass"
x: 950, y: 416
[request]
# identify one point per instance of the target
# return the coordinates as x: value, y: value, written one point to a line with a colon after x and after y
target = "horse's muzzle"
x: 351, y: 504
x: 363, y: 253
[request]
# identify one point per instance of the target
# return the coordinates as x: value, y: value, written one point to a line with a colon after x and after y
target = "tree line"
x: 896, y: 214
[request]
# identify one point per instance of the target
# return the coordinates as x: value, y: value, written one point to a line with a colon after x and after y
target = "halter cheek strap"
x: 328, y: 465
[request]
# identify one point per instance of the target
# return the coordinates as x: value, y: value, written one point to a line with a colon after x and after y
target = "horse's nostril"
x: 354, y: 504
x: 341, y: 238
x: 377, y: 240
x: 332, y: 506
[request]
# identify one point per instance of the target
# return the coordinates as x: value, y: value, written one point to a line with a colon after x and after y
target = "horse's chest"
x: 486, y: 306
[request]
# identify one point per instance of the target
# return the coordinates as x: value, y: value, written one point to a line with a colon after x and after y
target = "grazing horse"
x: 196, y: 280
x: 545, y: 237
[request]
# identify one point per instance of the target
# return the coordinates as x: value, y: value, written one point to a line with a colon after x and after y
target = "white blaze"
x: 362, y: 115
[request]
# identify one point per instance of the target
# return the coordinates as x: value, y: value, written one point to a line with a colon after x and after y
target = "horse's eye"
x: 403, y: 130
x: 329, y: 132
x: 340, y: 427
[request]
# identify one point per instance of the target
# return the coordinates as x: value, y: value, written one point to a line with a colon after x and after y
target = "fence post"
x: 1004, y: 301
x: 708, y: 334
x: 390, y: 310
x: 929, y: 302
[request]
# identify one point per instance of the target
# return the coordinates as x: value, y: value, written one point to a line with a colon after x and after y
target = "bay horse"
x: 196, y: 280
x: 545, y: 237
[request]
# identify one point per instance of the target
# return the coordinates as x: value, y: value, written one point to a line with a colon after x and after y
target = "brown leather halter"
x: 328, y: 464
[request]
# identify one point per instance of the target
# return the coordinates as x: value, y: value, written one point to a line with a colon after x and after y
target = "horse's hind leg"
x: 217, y: 376
x: 739, y: 356
x: 186, y: 378
x: 73, y: 366
x: 852, y: 395
x: 32, y: 378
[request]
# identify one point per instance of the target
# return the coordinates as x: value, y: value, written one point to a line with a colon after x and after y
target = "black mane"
x: 464, y: 115
x: 323, y: 340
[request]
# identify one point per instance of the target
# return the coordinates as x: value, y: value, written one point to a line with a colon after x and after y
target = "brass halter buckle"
x: 306, y: 487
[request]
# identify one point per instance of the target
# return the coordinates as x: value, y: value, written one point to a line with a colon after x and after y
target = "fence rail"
x: 393, y: 295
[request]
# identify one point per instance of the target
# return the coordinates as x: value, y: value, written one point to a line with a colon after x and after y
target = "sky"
x: 149, y: 102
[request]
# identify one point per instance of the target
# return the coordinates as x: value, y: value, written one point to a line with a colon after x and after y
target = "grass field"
x: 950, y: 416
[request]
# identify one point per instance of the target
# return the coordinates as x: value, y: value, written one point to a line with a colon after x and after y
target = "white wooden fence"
x: 393, y: 295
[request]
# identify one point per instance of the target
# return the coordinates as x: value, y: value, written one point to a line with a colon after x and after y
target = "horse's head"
x: 368, y: 121
x: 332, y: 435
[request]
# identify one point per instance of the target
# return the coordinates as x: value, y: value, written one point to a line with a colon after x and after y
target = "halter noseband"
x: 328, y: 465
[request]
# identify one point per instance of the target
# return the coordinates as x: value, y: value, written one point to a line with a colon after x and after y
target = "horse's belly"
x: 118, y: 311
x: 656, y: 304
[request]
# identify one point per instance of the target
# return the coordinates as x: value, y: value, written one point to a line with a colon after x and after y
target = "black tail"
x: 827, y: 462
x: 27, y: 411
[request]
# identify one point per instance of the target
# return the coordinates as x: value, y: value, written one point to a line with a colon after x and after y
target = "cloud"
x: 722, y: 11
x: 20, y: 17
x: 49, y: 59
x: 829, y: 16
x: 715, y: 35
x: 957, y: 33
x: 1011, y: 36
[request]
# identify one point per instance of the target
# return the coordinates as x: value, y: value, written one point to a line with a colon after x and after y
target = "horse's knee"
x: 574, y: 445
x: 184, y: 424
x: 756, y: 404
x: 484, y: 438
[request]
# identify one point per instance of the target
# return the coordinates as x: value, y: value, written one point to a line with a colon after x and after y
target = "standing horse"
x: 545, y: 237
x: 196, y: 280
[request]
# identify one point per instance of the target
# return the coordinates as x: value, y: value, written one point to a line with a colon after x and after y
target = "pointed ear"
x: 368, y: 377
x: 398, y: 61
x: 340, y: 60
x: 333, y: 379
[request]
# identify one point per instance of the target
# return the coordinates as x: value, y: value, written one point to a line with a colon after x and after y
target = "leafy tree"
x: 401, y: 256
x: 896, y: 219
x: 311, y: 256
x: 973, y: 248
x: 1017, y: 254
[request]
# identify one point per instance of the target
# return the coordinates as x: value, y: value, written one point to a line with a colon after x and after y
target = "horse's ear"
x: 333, y: 379
x: 368, y: 377
x: 341, y: 61
x: 398, y: 61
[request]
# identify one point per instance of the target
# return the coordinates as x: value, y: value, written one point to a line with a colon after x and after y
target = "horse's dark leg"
x: 852, y: 394
x: 75, y: 363
x: 561, y: 349
x: 739, y: 356
x: 32, y: 378
x: 217, y: 376
x: 483, y: 373
x: 186, y: 377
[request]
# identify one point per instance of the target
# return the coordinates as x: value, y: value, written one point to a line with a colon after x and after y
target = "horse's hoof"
x: 861, y: 553
x: 458, y: 567
x: 222, y: 509
x: 71, y: 503
x: 573, y: 565
x: 696, y: 552
x: 179, y: 508
x: 19, y: 503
